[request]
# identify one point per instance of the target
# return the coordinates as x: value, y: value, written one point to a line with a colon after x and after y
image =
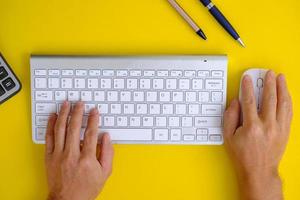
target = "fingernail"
x: 66, y: 103
x: 247, y: 78
x: 281, y: 77
x: 94, y: 111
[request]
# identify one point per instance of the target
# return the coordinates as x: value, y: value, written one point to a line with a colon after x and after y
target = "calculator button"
x: 8, y: 84
x: 3, y: 73
x: 2, y: 91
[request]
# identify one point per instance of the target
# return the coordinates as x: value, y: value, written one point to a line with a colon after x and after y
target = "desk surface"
x: 270, y: 29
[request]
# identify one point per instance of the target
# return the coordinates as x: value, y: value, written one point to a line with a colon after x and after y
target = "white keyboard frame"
x: 193, y: 62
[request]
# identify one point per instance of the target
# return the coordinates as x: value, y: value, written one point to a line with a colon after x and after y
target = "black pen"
x: 187, y: 18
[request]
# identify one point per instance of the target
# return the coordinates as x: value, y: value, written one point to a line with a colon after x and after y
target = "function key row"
x: 122, y: 73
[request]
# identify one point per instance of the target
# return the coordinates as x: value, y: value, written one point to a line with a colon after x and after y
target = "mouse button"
x: 260, y: 83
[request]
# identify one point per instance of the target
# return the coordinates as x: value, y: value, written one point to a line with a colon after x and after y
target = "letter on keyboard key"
x: 138, y: 96
x: 190, y: 96
x: 164, y: 96
x: 180, y: 109
x: 148, y: 121
x: 141, y: 108
x: 88, y: 108
x: 122, y: 121
x: 99, y: 95
x: 135, y: 121
x: 208, y: 121
x: 194, y: 109
x: 177, y: 96
x: 217, y: 96
x: 167, y: 109
x: 161, y: 134
x: 125, y: 96
x: 73, y: 96
x: 187, y: 121
x: 174, y: 121
x: 45, y: 108
x: 161, y: 121
x: 130, y: 134
x: 112, y: 96
x: 214, y: 84
x: 115, y: 108
x: 86, y: 96
x: 154, y: 109
x: 151, y: 96
x: 131, y: 83
x: 103, y: 108
x: 109, y: 121
x: 128, y: 108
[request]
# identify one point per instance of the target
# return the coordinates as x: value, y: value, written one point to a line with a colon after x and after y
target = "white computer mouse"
x: 258, y: 76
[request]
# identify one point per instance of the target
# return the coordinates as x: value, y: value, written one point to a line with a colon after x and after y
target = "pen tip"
x: 241, y: 42
x: 201, y: 34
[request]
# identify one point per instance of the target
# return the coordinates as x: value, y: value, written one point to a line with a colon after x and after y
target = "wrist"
x: 264, y: 184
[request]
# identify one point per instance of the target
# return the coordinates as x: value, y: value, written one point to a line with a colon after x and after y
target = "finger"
x: 106, y: 155
x: 248, y: 101
x: 91, y: 134
x: 284, y: 105
x: 73, y: 132
x: 60, y: 127
x: 269, y: 98
x: 50, y: 134
x: 231, y: 118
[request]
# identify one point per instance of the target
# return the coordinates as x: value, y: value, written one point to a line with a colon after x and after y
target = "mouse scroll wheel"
x: 260, y: 83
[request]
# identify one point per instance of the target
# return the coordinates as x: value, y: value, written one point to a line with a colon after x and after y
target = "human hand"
x: 257, y: 145
x: 76, y: 171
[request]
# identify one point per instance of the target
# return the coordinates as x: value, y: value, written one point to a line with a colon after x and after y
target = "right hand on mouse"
x: 76, y: 171
x: 257, y: 145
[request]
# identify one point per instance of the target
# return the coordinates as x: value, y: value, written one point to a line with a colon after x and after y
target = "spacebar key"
x: 129, y: 134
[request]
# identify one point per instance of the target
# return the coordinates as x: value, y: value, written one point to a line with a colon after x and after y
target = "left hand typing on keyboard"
x: 76, y: 172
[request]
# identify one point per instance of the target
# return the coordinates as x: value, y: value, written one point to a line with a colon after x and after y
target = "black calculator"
x: 9, y: 83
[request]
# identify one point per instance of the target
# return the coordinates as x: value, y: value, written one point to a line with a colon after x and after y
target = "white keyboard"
x: 149, y: 100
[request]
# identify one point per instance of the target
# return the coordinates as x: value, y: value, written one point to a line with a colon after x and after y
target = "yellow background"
x: 269, y: 28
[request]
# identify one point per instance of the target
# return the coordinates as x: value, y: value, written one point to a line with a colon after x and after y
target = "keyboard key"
x: 53, y: 83
x: 154, y: 109
x: 214, y: 84
x: 128, y: 109
x: 141, y: 108
x: 211, y: 109
x: 40, y: 83
x: 135, y: 73
x: 217, y: 73
x: 202, y: 138
x: 43, y: 95
x: 135, y: 121
x: 164, y: 96
x: 60, y: 95
x: 180, y: 109
x: 194, y: 109
x: 2, y: 91
x: 174, y: 121
x: 37, y: 72
x: 197, y: 84
x: 149, y: 73
x: 167, y: 109
x: 88, y: 108
x: 138, y: 96
x: 3, y: 73
x: 119, y: 83
x: 66, y: 83
x: 122, y: 73
x: 8, y: 84
x: 103, y: 108
x: 216, y: 96
x: 171, y: 84
x: 86, y: 96
x: 202, y: 131
x: 215, y: 138
x: 208, y: 121
x: 40, y: 134
x: 106, y: 83
x: 132, y: 84
x: 189, y: 137
x: 112, y: 96
x: 41, y: 120
x: 99, y: 96
x: 161, y: 121
x: 45, y: 108
x: 115, y: 108
x: 130, y: 134
x: 158, y: 83
x: 122, y: 121
x: 163, y: 73
x: 204, y: 96
x: 148, y: 121
x: 203, y: 73
x: 161, y: 134
x: 190, y: 96
x: 151, y: 96
x: 125, y: 96
x: 67, y: 72
x: 176, y: 73
x: 73, y: 96
x: 190, y: 73
x: 93, y: 83
x: 187, y: 121
x: 184, y: 84
x: 81, y: 72
x: 177, y: 96
x: 109, y: 121
x: 175, y: 134
x: 54, y: 72
x: 108, y: 73
x: 79, y: 83
x: 95, y: 72
x: 145, y: 84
